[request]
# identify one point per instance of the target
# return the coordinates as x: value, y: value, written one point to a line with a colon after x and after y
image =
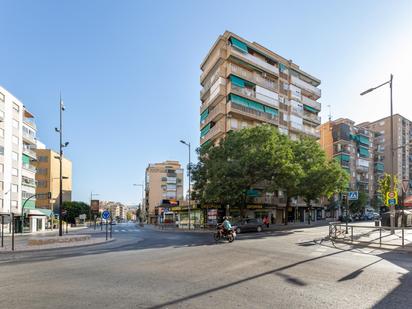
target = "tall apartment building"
x: 358, y: 150
x: 17, y: 154
x: 402, y: 128
x: 245, y: 84
x: 164, y: 181
x: 48, y: 179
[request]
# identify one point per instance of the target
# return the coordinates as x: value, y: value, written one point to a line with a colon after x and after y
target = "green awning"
x: 363, y: 140
x: 205, y: 130
x: 379, y: 167
x: 239, y: 100
x: 257, y: 106
x: 364, y: 152
x: 26, y: 159
x: 271, y: 110
x: 237, y: 81
x: 342, y: 157
x: 309, y: 109
x: 204, y: 115
x: 239, y: 45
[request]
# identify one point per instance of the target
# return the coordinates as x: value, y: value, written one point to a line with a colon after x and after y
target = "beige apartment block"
x: 48, y: 179
x: 245, y: 84
x: 357, y: 149
x: 402, y: 128
x: 164, y: 182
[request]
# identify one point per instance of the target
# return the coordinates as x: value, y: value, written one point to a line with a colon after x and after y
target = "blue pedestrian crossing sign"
x: 106, y: 214
x: 353, y: 195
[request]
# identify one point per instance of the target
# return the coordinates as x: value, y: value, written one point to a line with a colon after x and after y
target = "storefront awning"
x: 38, y: 212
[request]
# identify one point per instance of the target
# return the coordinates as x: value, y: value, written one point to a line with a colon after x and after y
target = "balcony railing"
x: 28, y: 182
x: 312, y: 117
x: 217, y: 129
x: 211, y: 81
x: 253, y: 77
x: 29, y: 137
x: 254, y: 60
x: 30, y: 122
x: 29, y: 167
x: 311, y: 103
x: 218, y: 90
x: 256, y: 96
x: 210, y: 63
x: 311, y: 131
x: 30, y: 152
x: 252, y: 113
x: 217, y: 110
x: 306, y: 86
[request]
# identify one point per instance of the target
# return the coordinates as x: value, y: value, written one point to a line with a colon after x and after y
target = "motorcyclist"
x: 227, y: 226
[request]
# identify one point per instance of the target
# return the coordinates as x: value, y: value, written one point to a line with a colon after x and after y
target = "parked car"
x: 373, y: 216
x: 113, y: 223
x: 248, y: 225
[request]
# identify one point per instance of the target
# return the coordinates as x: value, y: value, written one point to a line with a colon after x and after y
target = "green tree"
x: 128, y: 216
x: 358, y: 205
x: 320, y: 176
x: 74, y: 209
x: 384, y: 185
x: 245, y: 159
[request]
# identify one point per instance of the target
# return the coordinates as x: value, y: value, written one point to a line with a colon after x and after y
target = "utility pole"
x: 190, y: 178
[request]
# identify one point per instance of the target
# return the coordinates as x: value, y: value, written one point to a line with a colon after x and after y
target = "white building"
x: 17, y: 173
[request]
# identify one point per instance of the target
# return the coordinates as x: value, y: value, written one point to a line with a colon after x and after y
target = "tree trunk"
x: 309, y: 211
x: 287, y: 208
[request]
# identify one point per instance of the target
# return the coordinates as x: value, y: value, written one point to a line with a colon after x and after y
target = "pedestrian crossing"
x: 125, y: 231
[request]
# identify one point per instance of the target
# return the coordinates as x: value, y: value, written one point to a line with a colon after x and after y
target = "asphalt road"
x: 147, y: 268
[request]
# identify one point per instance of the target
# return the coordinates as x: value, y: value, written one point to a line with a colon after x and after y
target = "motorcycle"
x: 221, y: 233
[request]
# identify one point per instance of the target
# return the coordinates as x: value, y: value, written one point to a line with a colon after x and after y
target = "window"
x: 1, y: 150
x: 42, y: 183
x: 16, y: 107
x: 2, y: 98
x: 42, y: 171
x: 43, y: 158
x: 14, y: 188
x: 15, y: 156
x: 15, y: 140
x: 14, y: 172
x: 14, y: 204
x: 233, y: 123
x: 15, y: 124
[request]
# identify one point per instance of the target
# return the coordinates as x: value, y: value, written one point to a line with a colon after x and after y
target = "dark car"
x: 248, y: 225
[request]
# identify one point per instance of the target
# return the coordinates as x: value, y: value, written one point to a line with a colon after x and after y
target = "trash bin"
x: 377, y: 223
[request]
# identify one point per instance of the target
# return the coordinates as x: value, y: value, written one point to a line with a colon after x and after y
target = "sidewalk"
x: 46, y: 233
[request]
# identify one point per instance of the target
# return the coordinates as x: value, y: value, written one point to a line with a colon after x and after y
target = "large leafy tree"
x: 74, y: 209
x: 244, y: 159
x: 321, y: 177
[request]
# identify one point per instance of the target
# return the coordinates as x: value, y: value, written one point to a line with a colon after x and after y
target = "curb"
x: 361, y: 244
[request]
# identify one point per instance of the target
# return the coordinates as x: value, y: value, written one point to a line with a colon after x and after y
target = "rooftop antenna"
x: 330, y: 113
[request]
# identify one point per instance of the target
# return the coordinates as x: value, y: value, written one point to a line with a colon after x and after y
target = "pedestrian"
x: 272, y: 218
x: 266, y: 221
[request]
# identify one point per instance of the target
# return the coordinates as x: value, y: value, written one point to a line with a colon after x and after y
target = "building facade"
x: 48, y: 179
x: 359, y: 152
x: 243, y: 85
x: 17, y: 169
x: 402, y: 159
x: 164, y: 182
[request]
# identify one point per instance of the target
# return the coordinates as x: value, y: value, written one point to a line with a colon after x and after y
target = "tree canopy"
x: 74, y: 209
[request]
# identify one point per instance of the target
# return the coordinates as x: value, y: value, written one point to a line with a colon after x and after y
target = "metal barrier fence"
x: 354, y: 232
x: 184, y: 226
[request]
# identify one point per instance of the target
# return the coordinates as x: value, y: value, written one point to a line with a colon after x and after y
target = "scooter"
x: 221, y: 233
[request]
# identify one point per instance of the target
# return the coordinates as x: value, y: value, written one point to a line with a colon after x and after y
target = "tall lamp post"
x: 60, y: 131
x: 142, y: 205
x: 190, y: 178
x: 392, y: 207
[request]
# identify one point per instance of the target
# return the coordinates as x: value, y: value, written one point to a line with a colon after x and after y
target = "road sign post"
x: 106, y: 216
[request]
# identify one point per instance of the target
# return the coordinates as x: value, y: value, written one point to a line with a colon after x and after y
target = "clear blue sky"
x: 129, y: 70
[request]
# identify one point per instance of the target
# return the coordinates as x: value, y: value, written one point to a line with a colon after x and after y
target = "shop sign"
x: 176, y: 208
x: 254, y: 206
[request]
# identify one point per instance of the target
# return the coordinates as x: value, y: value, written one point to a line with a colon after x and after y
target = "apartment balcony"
x: 29, y: 138
x: 30, y: 122
x: 217, y: 130
x: 312, y: 103
x: 215, y: 114
x: 217, y: 92
x: 312, y: 117
x: 252, y: 113
x: 30, y: 152
x: 220, y: 72
x: 253, y: 60
x: 217, y: 56
x: 362, y: 165
x: 25, y: 181
x: 253, y: 77
x: 255, y: 96
x: 306, y: 86
x: 29, y: 167
x: 311, y: 131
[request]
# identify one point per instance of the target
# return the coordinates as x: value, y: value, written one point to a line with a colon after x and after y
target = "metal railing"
x: 376, y: 235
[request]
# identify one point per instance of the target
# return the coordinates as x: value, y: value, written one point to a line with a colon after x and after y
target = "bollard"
x: 351, y: 236
x: 403, y: 237
x: 380, y: 237
x: 106, y: 230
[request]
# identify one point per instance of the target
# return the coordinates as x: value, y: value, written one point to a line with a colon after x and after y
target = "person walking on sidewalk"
x: 266, y: 221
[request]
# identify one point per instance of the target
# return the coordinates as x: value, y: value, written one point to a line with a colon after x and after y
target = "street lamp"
x: 143, y: 204
x: 60, y: 131
x: 392, y: 207
x: 90, y: 209
x: 190, y: 177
